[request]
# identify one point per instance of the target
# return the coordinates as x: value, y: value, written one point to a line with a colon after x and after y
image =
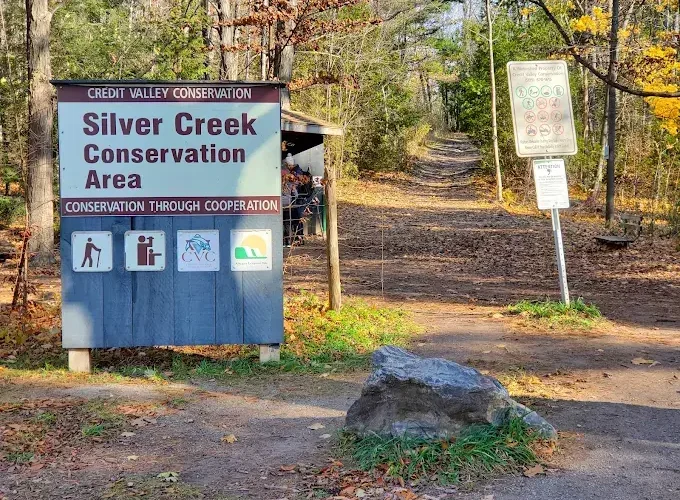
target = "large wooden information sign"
x: 156, y: 180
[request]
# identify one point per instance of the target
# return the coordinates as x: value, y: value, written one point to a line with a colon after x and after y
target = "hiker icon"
x: 145, y: 253
x: 87, y: 257
x: 84, y: 244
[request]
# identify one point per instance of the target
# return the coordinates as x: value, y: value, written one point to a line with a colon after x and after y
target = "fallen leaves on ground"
x: 142, y: 421
x: 643, y: 361
x: 229, y: 438
x: 169, y: 477
x: 348, y: 484
x: 534, y: 470
x: 50, y: 430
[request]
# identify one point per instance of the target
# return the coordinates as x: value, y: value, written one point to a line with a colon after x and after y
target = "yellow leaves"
x: 596, y: 24
x: 666, y: 110
x: 527, y: 11
x: 662, y: 5
x: 659, y: 52
x: 659, y: 68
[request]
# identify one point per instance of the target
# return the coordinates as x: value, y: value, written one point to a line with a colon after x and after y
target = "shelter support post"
x: 332, y: 249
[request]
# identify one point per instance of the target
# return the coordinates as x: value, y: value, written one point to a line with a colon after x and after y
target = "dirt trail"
x: 620, y: 422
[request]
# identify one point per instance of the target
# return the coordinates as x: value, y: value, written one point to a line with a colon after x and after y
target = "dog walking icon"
x: 89, y: 246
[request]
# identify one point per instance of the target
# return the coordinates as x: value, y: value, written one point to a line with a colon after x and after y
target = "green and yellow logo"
x: 252, y: 248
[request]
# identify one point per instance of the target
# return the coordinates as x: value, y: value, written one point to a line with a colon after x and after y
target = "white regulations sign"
x: 551, y: 184
x: 542, y: 114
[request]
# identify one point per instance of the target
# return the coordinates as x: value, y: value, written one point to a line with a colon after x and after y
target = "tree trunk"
x: 586, y: 105
x: 286, y: 58
x: 611, y: 112
x: 603, y: 152
x: 494, y: 125
x: 228, y: 67
x: 246, y: 69
x: 40, y: 117
x: 206, y: 40
x: 264, y: 47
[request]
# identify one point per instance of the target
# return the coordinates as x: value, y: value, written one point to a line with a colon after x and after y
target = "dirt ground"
x: 435, y: 244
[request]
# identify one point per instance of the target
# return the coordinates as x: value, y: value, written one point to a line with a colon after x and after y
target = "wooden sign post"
x: 157, y: 180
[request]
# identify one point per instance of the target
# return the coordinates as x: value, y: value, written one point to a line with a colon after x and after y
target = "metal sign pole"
x: 559, y: 253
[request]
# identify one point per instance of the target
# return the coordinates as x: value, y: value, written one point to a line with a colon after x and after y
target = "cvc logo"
x: 197, y: 249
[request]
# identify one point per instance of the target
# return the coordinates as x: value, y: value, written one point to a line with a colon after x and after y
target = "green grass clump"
x: 553, y: 314
x: 478, y: 453
x: 94, y: 430
x: 19, y: 457
x: 314, y: 333
x: 46, y: 417
x: 102, y: 419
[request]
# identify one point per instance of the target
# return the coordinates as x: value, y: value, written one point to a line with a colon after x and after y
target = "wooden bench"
x: 631, y: 225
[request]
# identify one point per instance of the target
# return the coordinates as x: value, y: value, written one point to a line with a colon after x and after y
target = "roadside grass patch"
x: 33, y: 431
x: 317, y: 340
x: 555, y: 314
x: 480, y: 452
x: 316, y: 334
x: 101, y: 419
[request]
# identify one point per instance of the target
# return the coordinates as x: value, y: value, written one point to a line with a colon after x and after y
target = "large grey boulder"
x: 432, y: 398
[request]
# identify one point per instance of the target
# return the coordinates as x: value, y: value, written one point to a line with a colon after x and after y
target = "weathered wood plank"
x: 194, y: 292
x: 117, y: 288
x: 263, y: 290
x: 153, y: 317
x: 82, y: 312
x: 228, y: 289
